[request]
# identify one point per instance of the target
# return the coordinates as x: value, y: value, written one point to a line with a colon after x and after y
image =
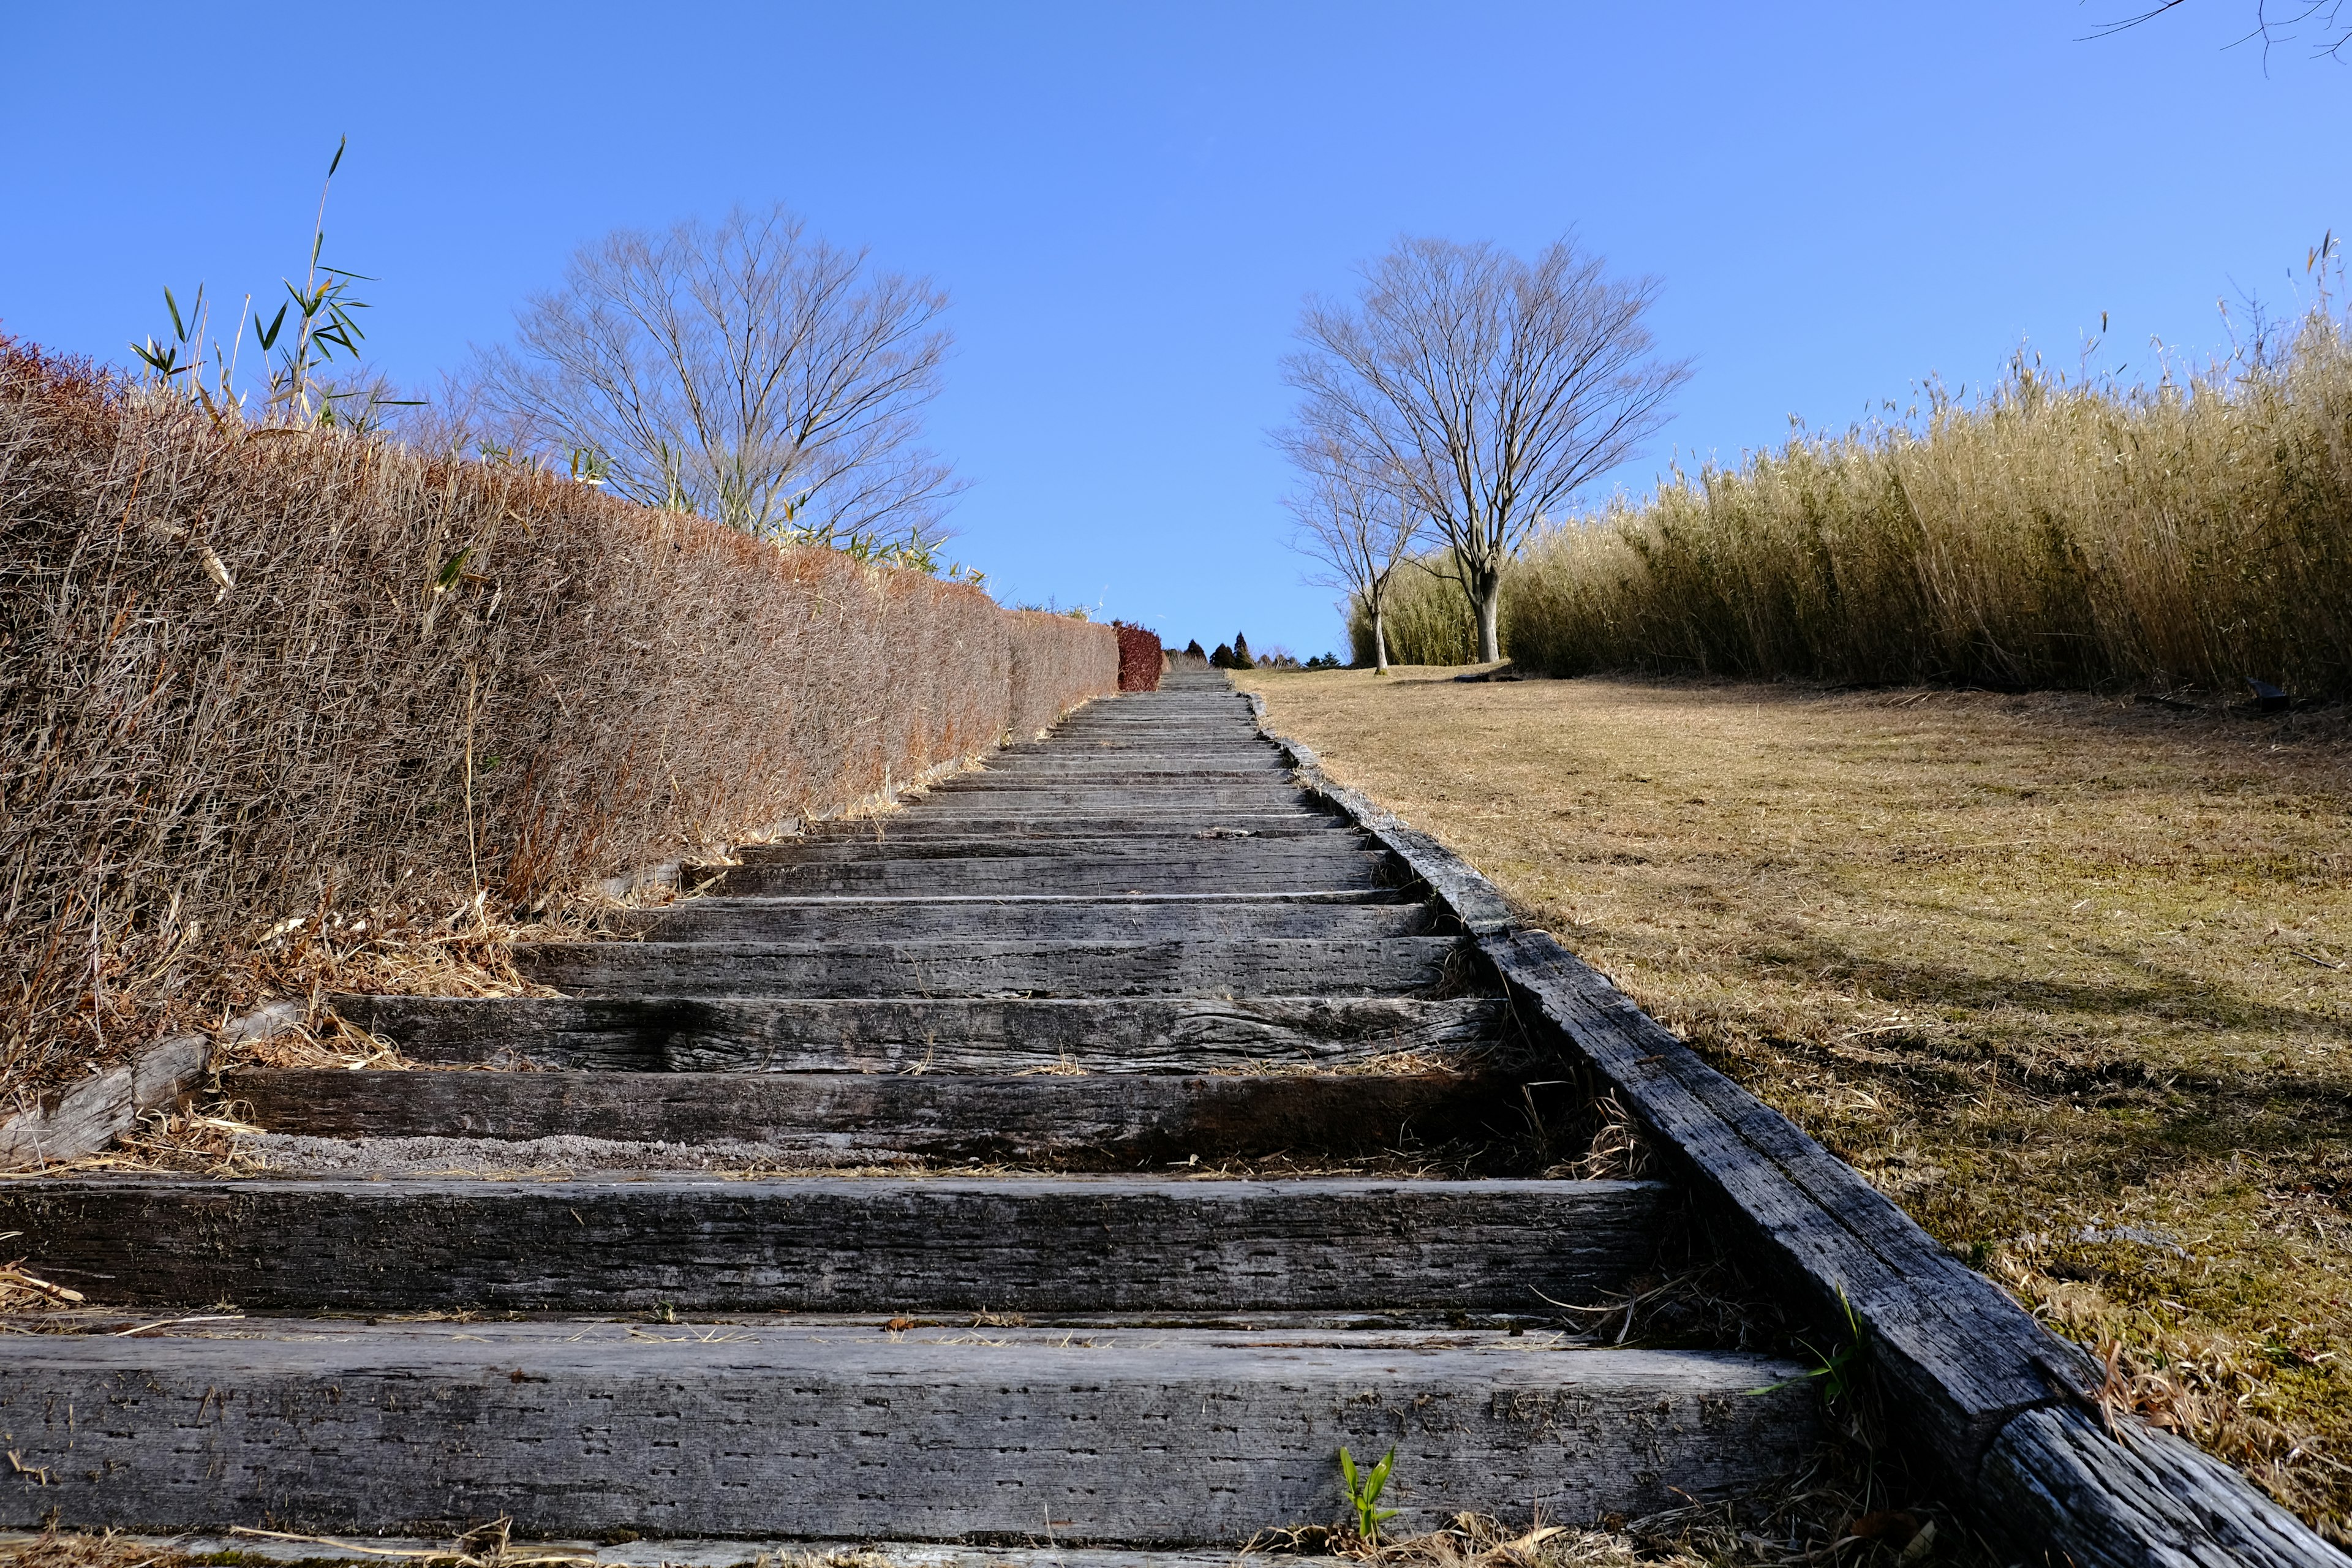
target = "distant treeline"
x: 2051, y: 532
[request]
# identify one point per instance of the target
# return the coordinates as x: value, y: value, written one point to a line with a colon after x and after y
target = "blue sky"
x: 1129, y: 202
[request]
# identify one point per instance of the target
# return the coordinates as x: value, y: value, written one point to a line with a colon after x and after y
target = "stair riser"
x: 1034, y: 1244
x: 984, y: 823
x: 1125, y: 1122
x: 1145, y: 1035
x: 1256, y: 966
x: 905, y: 1441
x: 1206, y: 871
x: 722, y: 920
x: 847, y: 850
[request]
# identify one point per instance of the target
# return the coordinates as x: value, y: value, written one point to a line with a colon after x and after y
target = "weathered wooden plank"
x: 984, y: 823
x: 670, y: 1431
x: 1311, y: 846
x: 1207, y: 867
x: 2060, y: 1490
x: 1269, y: 966
x: 822, y: 1244
x: 1108, y: 920
x: 1111, y: 1121
x: 88, y: 1116
x: 732, y: 1033
x: 1965, y: 1359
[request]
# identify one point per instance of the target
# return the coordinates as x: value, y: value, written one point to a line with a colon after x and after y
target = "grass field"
x: 2069, y: 979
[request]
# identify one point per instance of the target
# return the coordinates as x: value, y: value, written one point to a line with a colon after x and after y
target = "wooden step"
x: 1207, y: 867
x: 1109, y: 920
x: 1112, y: 1121
x: 1324, y: 841
x: 1262, y: 966
x: 732, y: 1033
x: 929, y: 821
x: 592, y: 1430
x: 1032, y: 1244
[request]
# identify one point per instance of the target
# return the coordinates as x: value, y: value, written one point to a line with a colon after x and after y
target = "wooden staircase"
x: 1085, y: 1153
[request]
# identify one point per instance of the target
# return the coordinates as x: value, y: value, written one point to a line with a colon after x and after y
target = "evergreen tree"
x: 1242, y: 660
x: 1222, y: 658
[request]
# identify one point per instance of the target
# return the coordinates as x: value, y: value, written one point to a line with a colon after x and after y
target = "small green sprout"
x: 1364, y: 1492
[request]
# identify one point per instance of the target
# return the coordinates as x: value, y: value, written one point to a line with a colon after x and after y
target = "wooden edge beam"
x: 2009, y: 1412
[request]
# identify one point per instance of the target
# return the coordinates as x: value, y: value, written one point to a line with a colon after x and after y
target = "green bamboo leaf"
x: 338, y: 160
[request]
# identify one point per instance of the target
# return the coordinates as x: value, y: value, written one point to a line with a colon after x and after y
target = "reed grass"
x: 2053, y: 532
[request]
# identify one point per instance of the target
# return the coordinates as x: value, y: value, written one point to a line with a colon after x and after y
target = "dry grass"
x: 255, y: 677
x: 2052, y: 532
x: 2069, y: 979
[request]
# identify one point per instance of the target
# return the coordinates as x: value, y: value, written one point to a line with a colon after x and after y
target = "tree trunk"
x: 1490, y: 616
x: 1380, y: 638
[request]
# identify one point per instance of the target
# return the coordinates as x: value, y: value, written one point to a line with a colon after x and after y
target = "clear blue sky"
x: 1128, y: 202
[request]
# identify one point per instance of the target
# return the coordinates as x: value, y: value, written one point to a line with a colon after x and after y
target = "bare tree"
x: 1352, y: 521
x: 742, y: 370
x: 1488, y: 390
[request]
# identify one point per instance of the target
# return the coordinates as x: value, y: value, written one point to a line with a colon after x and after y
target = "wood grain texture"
x: 1106, y: 920
x: 765, y: 1433
x: 1206, y: 868
x: 1178, y: 1035
x: 824, y: 1243
x: 2065, y: 1493
x: 90, y: 1115
x: 1108, y: 1122
x: 1269, y: 966
x: 1329, y: 838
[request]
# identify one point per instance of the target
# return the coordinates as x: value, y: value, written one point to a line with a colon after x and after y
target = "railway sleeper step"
x: 1206, y: 868
x: 1311, y: 844
x: 1108, y: 1122
x: 689, y: 1430
x: 1273, y: 966
x: 1015, y: 1244
x: 731, y: 1034
x: 1107, y: 919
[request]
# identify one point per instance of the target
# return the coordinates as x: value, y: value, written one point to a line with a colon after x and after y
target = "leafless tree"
x: 1488, y: 389
x: 743, y: 370
x: 1352, y: 521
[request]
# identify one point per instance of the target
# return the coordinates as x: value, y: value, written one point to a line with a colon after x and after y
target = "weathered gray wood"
x: 1267, y: 966
x: 1112, y: 919
x: 88, y: 1116
x: 2060, y: 1490
x: 666, y: 1431
x: 1310, y: 846
x: 1113, y: 1121
x: 1210, y: 867
x: 824, y: 1244
x: 1962, y: 1357
x: 705, y: 1552
x: 942, y: 823
x: 725, y: 1034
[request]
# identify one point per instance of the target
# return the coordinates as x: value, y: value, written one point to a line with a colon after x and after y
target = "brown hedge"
x: 1139, y: 659
x: 249, y: 673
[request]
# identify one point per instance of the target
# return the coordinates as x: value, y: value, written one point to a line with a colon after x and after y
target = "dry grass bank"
x: 2048, y: 532
x: 256, y: 683
x: 2071, y: 979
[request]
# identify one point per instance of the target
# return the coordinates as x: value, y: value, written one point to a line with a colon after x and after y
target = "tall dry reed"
x: 247, y: 673
x: 2188, y: 534
x: 2191, y: 533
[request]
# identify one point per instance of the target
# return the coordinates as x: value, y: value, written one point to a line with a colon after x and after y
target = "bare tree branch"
x: 1485, y: 391
x: 741, y: 370
x: 2273, y: 24
x: 1352, y: 519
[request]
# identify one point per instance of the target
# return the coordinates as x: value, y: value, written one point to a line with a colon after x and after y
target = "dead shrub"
x: 249, y: 675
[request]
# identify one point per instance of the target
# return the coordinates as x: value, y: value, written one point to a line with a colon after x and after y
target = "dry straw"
x: 2053, y: 533
x: 250, y: 674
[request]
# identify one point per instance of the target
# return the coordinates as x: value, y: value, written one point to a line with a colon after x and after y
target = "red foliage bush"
x: 1138, y: 658
x: 244, y: 674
